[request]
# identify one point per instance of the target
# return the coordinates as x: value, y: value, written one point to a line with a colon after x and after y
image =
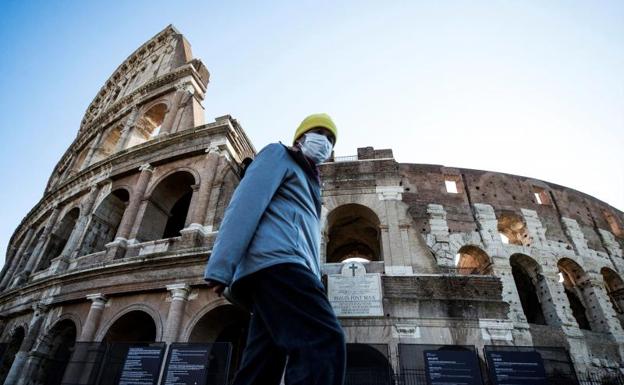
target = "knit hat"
x: 314, y: 121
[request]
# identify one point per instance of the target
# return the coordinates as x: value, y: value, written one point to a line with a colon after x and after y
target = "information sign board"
x: 142, y: 365
x: 458, y: 367
x: 516, y: 367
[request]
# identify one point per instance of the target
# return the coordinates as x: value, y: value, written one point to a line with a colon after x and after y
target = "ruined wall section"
x: 425, y: 184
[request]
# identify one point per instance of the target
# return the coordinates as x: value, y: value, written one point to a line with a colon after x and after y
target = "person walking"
x: 267, y: 255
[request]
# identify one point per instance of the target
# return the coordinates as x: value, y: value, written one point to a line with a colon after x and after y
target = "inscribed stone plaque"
x: 353, y: 293
x: 516, y: 367
x: 142, y: 365
x: 457, y: 367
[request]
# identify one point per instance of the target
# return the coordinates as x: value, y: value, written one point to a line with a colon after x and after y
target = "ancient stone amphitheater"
x: 466, y: 260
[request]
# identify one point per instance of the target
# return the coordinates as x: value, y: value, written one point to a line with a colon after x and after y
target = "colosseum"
x: 422, y: 263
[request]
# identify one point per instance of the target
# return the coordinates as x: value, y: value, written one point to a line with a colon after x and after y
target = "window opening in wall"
x: 451, y: 186
x: 148, y: 126
x: 613, y: 223
x: 225, y: 323
x: 125, y: 329
x: 512, y: 229
x: 167, y: 208
x: 353, y: 232
x: 473, y: 260
x: 11, y: 349
x: 614, y: 286
x: 541, y: 196
x: 178, y: 216
x: 55, y: 354
x: 525, y: 272
x: 573, y: 276
x: 104, y: 222
x: 108, y: 145
x: 59, y: 237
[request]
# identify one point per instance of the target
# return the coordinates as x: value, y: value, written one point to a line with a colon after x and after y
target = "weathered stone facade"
x: 116, y: 248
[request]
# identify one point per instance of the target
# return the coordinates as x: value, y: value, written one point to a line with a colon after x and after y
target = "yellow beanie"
x: 313, y: 121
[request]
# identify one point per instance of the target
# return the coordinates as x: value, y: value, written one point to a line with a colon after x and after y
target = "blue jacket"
x: 272, y: 218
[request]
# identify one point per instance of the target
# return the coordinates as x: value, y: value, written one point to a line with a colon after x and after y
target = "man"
x: 267, y: 252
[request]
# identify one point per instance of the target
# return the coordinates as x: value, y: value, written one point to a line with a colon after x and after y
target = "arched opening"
x: 80, y: 159
x: 472, y: 260
x: 108, y: 144
x: 54, y: 351
x: 17, y: 337
x: 148, y: 125
x: 223, y: 324
x: 353, y: 232
x: 574, y: 282
x: 512, y: 229
x: 368, y: 365
x: 526, y: 274
x: 105, y: 222
x: 59, y: 237
x: 615, y: 289
x: 134, y: 326
x: 167, y: 207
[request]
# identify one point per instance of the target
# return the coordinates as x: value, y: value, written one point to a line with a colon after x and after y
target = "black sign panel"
x: 195, y: 364
x: 516, y: 368
x: 142, y: 365
x: 457, y: 367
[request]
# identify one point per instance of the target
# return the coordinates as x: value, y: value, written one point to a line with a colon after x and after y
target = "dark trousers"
x: 293, y: 326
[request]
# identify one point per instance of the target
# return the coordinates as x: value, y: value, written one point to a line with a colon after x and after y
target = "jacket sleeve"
x: 248, y: 203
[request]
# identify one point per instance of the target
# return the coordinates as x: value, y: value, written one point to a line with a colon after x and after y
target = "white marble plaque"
x: 355, y: 293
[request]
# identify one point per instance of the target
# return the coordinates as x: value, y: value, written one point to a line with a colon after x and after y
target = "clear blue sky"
x: 532, y: 88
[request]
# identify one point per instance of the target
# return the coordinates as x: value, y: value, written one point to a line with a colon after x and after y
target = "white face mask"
x: 316, y: 147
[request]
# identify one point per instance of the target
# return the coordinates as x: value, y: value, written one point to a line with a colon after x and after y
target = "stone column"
x: 17, y: 372
x: 116, y: 249
x: 85, y: 218
x: 92, y: 149
x: 39, y: 249
x: 127, y: 128
x: 600, y: 308
x: 170, y: 117
x: 207, y: 176
x: 98, y: 301
x: 179, y: 295
x: 15, y: 261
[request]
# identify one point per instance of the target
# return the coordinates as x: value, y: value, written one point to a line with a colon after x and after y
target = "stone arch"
x: 148, y: 125
x: 367, y: 365
x: 531, y: 288
x: 615, y: 290
x: 576, y: 285
x: 80, y: 159
x: 105, y: 221
x: 109, y: 142
x: 58, y: 238
x: 168, y: 206
x: 472, y: 259
x: 54, y: 351
x: 225, y: 323
x: 512, y: 228
x: 16, y: 337
x: 353, y: 231
x: 128, y: 325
